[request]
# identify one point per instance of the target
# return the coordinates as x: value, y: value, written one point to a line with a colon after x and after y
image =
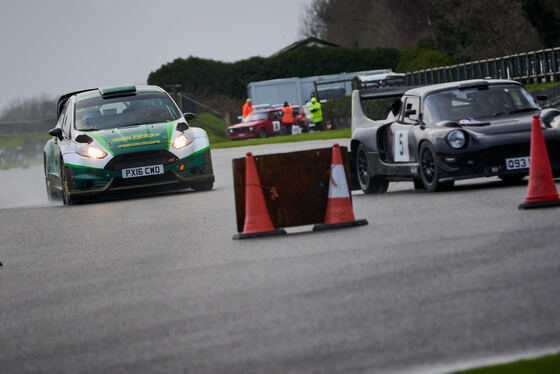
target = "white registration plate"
x: 142, y: 171
x: 517, y: 163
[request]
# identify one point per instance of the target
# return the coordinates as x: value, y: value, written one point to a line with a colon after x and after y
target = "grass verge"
x: 20, y: 140
x: 542, y: 365
x: 538, y: 86
x: 320, y: 135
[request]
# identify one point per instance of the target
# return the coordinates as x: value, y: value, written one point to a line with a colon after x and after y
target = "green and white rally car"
x: 123, y: 138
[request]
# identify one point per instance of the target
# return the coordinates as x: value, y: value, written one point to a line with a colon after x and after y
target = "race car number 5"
x: 401, y: 146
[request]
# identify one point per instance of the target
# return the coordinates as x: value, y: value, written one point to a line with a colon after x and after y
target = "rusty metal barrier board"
x: 299, y: 179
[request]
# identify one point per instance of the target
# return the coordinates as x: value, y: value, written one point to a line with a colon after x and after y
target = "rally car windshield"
x: 476, y: 103
x: 257, y: 116
x: 142, y: 108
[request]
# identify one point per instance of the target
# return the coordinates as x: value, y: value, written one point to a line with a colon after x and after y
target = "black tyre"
x: 66, y: 197
x: 51, y: 193
x: 429, y: 172
x: 418, y: 185
x: 262, y: 133
x: 368, y: 183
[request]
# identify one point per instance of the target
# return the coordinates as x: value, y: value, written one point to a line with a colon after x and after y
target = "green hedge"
x: 202, y: 76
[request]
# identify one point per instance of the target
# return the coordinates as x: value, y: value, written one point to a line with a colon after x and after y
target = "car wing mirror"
x: 189, y: 116
x: 56, y: 132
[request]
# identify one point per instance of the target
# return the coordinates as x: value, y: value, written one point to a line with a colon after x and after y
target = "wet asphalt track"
x: 156, y: 284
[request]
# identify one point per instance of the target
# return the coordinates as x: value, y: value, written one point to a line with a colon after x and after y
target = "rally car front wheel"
x: 429, y: 171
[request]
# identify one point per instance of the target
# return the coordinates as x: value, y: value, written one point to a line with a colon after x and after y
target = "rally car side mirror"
x: 57, y: 132
x: 189, y: 116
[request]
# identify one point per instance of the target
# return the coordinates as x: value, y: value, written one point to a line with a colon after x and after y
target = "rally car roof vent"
x: 473, y: 83
x: 117, y: 91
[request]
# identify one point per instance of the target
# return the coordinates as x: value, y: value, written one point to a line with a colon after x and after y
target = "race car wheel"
x: 262, y: 133
x: 51, y: 194
x: 368, y: 184
x: 66, y: 198
x: 428, y: 167
x: 418, y: 185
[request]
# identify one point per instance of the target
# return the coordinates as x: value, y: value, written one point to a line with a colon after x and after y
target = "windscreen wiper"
x: 523, y: 110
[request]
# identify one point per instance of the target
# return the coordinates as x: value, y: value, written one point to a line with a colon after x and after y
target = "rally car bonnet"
x: 135, y: 138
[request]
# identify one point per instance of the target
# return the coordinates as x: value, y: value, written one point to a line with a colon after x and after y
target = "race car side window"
x: 430, y: 111
x: 64, y: 120
x: 61, y: 117
x: 412, y: 110
x: 68, y: 122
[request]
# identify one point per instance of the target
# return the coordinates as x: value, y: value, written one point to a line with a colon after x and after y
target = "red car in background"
x: 258, y: 124
x: 265, y: 123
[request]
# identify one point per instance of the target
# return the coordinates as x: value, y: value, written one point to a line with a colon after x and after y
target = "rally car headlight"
x: 180, y: 142
x: 92, y: 152
x: 456, y: 139
x: 251, y: 128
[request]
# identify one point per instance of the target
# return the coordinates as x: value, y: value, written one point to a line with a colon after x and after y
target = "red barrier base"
x: 329, y: 226
x: 540, y: 204
x: 259, y: 234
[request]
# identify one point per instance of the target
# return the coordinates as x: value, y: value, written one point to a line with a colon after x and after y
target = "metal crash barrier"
x: 527, y: 68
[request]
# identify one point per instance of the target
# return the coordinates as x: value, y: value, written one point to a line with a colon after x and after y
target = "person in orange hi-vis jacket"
x: 247, y: 108
x: 287, y: 119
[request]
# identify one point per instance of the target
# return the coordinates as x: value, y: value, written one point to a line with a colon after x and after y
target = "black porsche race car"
x: 435, y: 135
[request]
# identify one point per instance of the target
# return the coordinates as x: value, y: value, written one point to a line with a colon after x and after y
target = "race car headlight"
x: 456, y: 139
x: 555, y: 123
x: 92, y: 152
x: 180, y: 142
x: 251, y: 128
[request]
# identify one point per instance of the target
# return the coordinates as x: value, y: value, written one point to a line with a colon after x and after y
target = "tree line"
x: 204, y: 77
x: 31, y: 109
x: 462, y: 30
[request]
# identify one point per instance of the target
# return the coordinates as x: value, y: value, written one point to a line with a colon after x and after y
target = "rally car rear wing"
x: 64, y: 98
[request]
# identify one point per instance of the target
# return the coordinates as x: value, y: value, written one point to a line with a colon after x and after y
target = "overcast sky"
x: 57, y: 46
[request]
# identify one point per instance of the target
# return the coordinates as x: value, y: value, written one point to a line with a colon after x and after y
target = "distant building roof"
x: 308, y: 42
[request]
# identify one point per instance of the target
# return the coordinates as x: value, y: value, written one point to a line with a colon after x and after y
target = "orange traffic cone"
x: 339, y: 206
x: 257, y: 220
x: 542, y: 190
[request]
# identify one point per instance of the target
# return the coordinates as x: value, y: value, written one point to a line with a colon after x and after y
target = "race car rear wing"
x: 385, y: 92
x: 64, y: 98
